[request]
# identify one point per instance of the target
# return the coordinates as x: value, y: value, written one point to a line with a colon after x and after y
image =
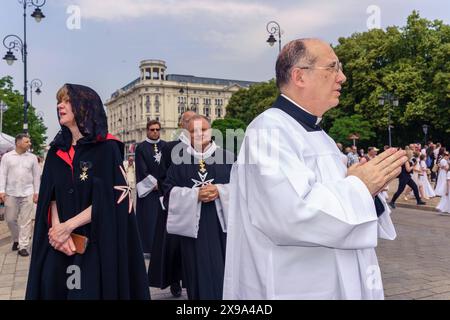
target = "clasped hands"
x: 59, y: 238
x: 379, y: 171
x: 208, y: 193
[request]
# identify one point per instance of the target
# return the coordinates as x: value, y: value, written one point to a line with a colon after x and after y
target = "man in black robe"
x: 196, y: 196
x: 149, y: 170
x: 165, y: 263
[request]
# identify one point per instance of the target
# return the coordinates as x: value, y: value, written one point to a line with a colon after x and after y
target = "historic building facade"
x: 164, y: 97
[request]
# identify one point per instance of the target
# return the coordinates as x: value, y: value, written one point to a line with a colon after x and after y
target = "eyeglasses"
x: 154, y: 129
x: 336, y: 66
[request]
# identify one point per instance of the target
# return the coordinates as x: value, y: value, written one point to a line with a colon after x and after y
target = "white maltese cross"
x: 203, y: 182
x: 126, y: 190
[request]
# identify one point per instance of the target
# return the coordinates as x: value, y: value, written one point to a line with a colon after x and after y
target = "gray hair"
x: 200, y: 117
x: 291, y: 54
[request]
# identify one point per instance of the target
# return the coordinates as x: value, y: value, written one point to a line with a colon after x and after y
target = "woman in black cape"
x: 84, y: 191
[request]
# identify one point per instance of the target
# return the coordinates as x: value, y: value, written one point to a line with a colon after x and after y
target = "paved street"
x: 417, y: 264
x: 414, y: 266
x: 14, y: 272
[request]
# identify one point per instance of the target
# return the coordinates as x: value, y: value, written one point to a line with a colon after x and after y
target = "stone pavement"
x: 14, y: 272
x: 416, y: 265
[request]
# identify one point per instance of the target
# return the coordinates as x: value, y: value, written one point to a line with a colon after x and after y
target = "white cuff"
x: 146, y: 186
x: 183, y: 214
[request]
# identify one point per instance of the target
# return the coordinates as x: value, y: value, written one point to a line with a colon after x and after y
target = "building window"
x: 181, y: 108
x: 157, y: 103
x: 148, y: 119
x: 194, y: 108
x: 147, y: 104
x: 148, y: 75
x: 206, y: 111
x: 157, y: 118
x: 219, y: 112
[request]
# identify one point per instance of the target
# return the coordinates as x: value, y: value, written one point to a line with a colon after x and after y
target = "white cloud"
x: 112, y: 10
x: 236, y: 29
x: 248, y: 37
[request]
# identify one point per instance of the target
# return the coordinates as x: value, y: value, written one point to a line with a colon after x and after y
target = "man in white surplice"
x: 300, y: 224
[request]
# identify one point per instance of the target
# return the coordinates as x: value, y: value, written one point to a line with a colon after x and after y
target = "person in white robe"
x: 300, y: 224
x: 441, y: 184
x: 444, y: 204
x: 423, y: 177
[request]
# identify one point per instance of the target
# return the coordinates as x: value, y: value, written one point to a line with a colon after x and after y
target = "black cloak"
x: 112, y: 266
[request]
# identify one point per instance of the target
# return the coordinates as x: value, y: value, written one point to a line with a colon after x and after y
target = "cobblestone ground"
x: 417, y: 264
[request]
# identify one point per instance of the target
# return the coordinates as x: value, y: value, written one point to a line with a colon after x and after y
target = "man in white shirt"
x: 300, y: 224
x: 19, y: 187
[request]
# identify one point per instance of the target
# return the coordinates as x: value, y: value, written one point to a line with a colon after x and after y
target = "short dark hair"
x: 290, y: 55
x: 153, y: 122
x: 20, y: 136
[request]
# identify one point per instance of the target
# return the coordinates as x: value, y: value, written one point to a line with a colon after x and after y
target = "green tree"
x: 13, y: 116
x: 345, y: 126
x: 412, y: 62
x: 232, y: 133
x: 246, y: 104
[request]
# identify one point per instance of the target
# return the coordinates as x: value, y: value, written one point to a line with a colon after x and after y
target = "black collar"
x: 306, y: 120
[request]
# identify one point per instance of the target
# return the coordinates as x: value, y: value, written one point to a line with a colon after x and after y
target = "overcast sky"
x: 210, y: 38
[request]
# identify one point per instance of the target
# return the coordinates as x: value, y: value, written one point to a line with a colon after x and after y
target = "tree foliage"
x: 246, y: 104
x: 13, y: 116
x: 230, y: 129
x: 411, y: 62
x: 343, y: 127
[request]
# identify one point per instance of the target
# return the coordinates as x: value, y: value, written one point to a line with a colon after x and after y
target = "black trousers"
x: 402, y: 183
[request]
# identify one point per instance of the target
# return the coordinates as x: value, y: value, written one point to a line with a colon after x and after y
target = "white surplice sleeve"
x: 222, y: 204
x: 183, y: 214
x: 287, y: 204
x: 146, y: 186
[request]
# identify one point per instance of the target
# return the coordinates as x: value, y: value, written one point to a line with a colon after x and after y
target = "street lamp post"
x: 35, y: 83
x: 273, y: 28
x: 425, y: 132
x: 13, y: 42
x: 3, y: 108
x: 392, y: 100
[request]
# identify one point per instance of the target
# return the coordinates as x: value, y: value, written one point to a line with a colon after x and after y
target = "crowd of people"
x: 290, y: 218
x: 427, y: 165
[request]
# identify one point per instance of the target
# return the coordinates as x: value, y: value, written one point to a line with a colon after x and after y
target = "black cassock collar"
x: 310, y: 123
x: 305, y: 119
